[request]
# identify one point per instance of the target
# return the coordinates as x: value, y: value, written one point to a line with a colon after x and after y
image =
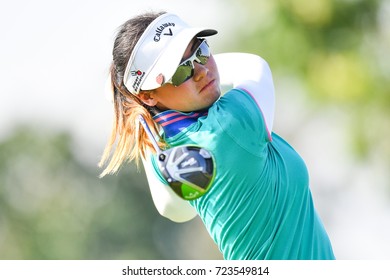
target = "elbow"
x: 176, y: 215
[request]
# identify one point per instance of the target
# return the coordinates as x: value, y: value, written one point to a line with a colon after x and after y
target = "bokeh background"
x: 331, y: 66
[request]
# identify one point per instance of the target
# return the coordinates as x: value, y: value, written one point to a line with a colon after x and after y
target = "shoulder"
x: 249, y: 73
x: 237, y: 114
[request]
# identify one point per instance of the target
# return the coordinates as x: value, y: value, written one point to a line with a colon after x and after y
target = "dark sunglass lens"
x: 186, y: 70
x: 182, y: 74
x: 203, y: 53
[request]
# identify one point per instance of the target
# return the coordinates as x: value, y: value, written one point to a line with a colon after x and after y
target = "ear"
x: 147, y: 98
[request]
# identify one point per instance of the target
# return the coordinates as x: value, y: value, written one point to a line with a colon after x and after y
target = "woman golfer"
x: 259, y: 205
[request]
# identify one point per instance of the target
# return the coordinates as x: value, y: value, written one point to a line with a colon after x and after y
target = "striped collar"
x: 173, y: 122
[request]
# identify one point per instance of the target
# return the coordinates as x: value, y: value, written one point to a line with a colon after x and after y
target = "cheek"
x: 175, y: 98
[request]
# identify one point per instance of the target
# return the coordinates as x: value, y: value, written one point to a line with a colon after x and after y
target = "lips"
x: 207, y: 85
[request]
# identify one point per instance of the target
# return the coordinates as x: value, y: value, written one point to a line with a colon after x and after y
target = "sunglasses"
x: 185, y: 70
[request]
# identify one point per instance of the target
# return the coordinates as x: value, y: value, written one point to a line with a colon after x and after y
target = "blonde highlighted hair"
x: 128, y: 140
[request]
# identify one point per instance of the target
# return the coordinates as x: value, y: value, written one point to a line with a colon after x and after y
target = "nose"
x: 200, y: 71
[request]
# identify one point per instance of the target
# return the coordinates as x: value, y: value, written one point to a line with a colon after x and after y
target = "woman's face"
x: 198, y: 92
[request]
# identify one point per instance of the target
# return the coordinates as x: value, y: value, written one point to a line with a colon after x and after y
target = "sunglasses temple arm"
x: 149, y: 133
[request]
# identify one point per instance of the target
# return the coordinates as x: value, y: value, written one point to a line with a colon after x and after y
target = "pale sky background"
x: 54, y: 58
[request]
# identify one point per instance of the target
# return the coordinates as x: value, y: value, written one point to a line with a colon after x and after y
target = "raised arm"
x: 167, y: 203
x: 252, y: 74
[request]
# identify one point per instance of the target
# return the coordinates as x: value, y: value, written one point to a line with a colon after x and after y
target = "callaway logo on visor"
x: 161, y: 28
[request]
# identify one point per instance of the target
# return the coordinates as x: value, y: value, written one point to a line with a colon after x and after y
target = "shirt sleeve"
x: 252, y: 74
x: 167, y: 203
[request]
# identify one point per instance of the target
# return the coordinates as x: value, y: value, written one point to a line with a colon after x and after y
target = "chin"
x: 216, y: 95
x: 214, y: 98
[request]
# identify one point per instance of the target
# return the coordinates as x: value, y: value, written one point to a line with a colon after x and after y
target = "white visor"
x: 159, y: 51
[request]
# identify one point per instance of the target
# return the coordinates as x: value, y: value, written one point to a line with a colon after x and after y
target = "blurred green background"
x: 330, y: 60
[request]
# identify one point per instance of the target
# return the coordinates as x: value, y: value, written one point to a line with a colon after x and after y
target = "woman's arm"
x: 168, y: 204
x: 252, y: 74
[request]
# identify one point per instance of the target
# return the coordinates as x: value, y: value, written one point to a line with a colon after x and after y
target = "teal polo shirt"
x: 260, y: 205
